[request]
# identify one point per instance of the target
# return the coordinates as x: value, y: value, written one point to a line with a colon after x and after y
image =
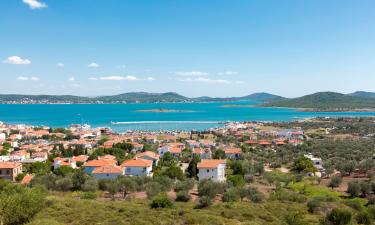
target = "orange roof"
x: 137, y: 162
x: 210, y: 163
x: 175, y: 150
x: 233, y: 151
x: 198, y: 151
x: 100, y: 162
x: 107, y: 169
x: 9, y: 165
x: 264, y: 142
x: 27, y: 179
x: 251, y: 142
x: 107, y: 157
x: 150, y: 154
x: 81, y: 158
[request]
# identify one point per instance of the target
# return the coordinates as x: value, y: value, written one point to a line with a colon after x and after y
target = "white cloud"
x: 115, y: 78
x: 192, y: 74
x: 16, y: 60
x: 205, y: 80
x: 72, y: 79
x: 60, y: 64
x: 228, y: 73
x: 33, y: 78
x: 35, y: 4
x: 150, y: 79
x: 93, y: 65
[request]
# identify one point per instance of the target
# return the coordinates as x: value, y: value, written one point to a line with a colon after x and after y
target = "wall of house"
x: 138, y: 171
x: 215, y: 174
x: 106, y: 175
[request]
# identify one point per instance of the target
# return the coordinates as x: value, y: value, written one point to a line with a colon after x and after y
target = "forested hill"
x: 131, y: 97
x: 327, y: 101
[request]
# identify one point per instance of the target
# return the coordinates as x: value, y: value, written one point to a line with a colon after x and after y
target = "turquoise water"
x: 204, y: 115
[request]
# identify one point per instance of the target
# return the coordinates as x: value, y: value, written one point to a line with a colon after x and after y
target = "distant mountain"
x: 363, y: 94
x: 144, y: 97
x: 259, y: 97
x: 326, y: 101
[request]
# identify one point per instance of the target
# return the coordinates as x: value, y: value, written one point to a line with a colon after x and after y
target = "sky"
x: 192, y: 47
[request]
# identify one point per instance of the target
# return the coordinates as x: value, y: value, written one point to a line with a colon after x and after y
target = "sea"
x: 124, y: 117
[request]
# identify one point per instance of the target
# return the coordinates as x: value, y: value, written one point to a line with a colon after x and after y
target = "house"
x: 264, y: 143
x: 81, y: 158
x: 137, y: 167
x: 192, y: 143
x: 107, y: 172
x: 318, y: 163
x: 10, y: 170
x: 57, y: 162
x: 202, y: 153
x: 233, y: 153
x: 148, y: 155
x: 204, y: 143
x: 89, y: 166
x: 151, y: 139
x: 251, y: 142
x: 18, y: 156
x: 213, y: 169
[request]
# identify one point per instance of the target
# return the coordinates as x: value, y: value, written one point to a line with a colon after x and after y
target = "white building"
x: 213, y: 169
x: 107, y: 172
x: 137, y: 167
x: 318, y: 163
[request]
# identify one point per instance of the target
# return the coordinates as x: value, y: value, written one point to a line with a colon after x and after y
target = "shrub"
x: 64, y: 184
x: 236, y: 180
x: 182, y: 196
x: 338, y: 217
x: 90, y: 185
x: 363, y: 218
x: 313, y: 205
x: 335, y: 182
x: 88, y: 195
x: 257, y: 197
x: 231, y: 195
x: 185, y: 185
x: 209, y: 188
x: 205, y: 201
x: 161, y: 201
x: 152, y: 189
x: 354, y: 189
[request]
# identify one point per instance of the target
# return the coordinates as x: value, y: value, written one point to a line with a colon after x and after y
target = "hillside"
x: 326, y: 101
x: 363, y: 94
x: 131, y: 97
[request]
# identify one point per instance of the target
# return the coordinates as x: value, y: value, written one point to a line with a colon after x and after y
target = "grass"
x: 68, y: 210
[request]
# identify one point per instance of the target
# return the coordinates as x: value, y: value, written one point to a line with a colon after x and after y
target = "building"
x: 57, y: 162
x: 137, y: 167
x: 233, y: 153
x: 213, y: 169
x: 90, y: 166
x: 148, y: 155
x: 107, y: 172
x: 318, y: 163
x: 10, y: 170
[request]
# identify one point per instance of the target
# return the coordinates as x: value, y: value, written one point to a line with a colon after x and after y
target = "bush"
x: 335, y: 182
x: 205, y: 201
x: 161, y: 201
x: 182, y: 196
x: 354, y: 189
x: 236, y: 180
x: 88, y: 195
x: 152, y: 189
x: 64, y: 184
x: 313, y: 205
x: 363, y: 218
x: 209, y: 188
x: 256, y: 197
x: 90, y: 185
x: 185, y: 185
x: 231, y: 195
x: 338, y: 217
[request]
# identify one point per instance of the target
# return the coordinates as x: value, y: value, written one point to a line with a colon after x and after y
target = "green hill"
x: 259, y: 97
x: 363, y: 94
x: 326, y: 101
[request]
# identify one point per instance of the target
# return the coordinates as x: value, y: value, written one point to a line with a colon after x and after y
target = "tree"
x: 112, y: 187
x: 63, y: 171
x: 335, y: 182
x: 19, y: 204
x: 152, y: 189
x: 64, y: 184
x: 90, y: 185
x: 174, y: 172
x: 192, y: 170
x: 161, y: 201
x: 231, y: 195
x: 303, y: 164
x: 354, y: 189
x: 218, y: 154
x: 126, y: 185
x: 38, y: 168
x: 236, y: 166
x: 236, y: 180
x: 182, y: 196
x: 338, y: 217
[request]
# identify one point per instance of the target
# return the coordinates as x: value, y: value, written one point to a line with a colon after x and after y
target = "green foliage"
x: 192, y: 170
x: 152, y: 189
x: 236, y: 180
x: 335, y: 182
x: 88, y: 195
x: 38, y: 168
x: 63, y: 171
x: 338, y: 217
x: 218, y: 154
x: 161, y: 201
x: 184, y: 185
x: 182, y: 196
x: 231, y: 195
x: 19, y: 204
x: 210, y: 188
x: 303, y: 164
x: 354, y: 189
x: 205, y: 201
x: 363, y: 218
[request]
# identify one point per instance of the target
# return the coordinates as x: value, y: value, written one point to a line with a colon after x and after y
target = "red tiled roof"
x: 233, y: 151
x: 137, y: 162
x: 107, y: 169
x: 150, y: 154
x: 210, y: 163
x: 100, y: 162
x: 9, y: 165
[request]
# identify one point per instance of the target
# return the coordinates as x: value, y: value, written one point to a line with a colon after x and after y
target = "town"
x: 260, y: 162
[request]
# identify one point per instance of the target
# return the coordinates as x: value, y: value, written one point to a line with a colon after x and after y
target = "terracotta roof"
x: 107, y: 169
x: 27, y: 179
x: 100, y: 162
x: 150, y: 154
x: 137, y: 162
x: 107, y: 157
x: 81, y: 158
x: 9, y: 165
x: 175, y: 150
x: 233, y: 151
x: 210, y: 163
x: 264, y: 142
x: 251, y: 142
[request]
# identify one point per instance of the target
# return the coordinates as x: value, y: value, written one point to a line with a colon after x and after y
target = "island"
x: 164, y: 111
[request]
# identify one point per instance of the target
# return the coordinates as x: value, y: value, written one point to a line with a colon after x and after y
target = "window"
x: 8, y: 172
x: 1, y: 172
x: 208, y: 170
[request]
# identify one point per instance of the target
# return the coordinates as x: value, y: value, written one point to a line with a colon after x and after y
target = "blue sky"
x: 193, y: 47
